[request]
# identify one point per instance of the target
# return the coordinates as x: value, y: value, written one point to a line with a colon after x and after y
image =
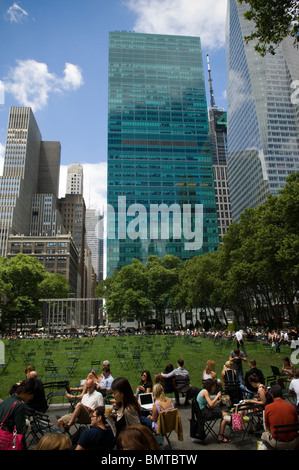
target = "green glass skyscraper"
x: 161, y: 196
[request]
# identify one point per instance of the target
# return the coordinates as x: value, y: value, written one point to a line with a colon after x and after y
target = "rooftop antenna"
x: 213, y: 104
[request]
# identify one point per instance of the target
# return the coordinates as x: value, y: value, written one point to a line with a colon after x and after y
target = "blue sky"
x: 54, y: 58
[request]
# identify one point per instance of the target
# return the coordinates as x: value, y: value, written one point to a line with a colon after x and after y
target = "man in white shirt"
x: 294, y: 386
x: 240, y: 340
x: 84, y: 409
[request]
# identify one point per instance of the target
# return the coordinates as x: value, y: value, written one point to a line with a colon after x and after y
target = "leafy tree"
x: 20, y: 277
x: 23, y: 281
x: 53, y: 286
x: 274, y: 20
x: 163, y: 275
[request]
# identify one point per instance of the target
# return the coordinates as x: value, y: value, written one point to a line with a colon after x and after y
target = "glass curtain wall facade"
x: 263, y: 130
x: 158, y: 148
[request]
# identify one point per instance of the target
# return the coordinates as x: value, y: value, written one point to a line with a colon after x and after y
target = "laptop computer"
x: 146, y: 401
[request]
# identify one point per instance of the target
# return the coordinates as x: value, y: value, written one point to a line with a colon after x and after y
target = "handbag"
x: 237, y: 422
x: 10, y: 440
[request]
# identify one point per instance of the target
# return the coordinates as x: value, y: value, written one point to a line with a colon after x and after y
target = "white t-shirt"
x: 239, y: 335
x: 294, y: 385
x: 93, y: 400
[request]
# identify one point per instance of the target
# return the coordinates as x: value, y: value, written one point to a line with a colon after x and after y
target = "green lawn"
x: 155, y: 353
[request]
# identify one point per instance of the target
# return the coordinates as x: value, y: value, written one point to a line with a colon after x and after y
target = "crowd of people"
x: 124, y: 425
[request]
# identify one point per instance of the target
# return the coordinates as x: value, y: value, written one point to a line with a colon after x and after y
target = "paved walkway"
x: 188, y: 444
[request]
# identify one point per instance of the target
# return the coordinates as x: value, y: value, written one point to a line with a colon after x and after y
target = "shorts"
x: 211, y: 413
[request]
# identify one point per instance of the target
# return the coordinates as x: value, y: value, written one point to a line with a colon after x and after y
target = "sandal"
x: 223, y: 439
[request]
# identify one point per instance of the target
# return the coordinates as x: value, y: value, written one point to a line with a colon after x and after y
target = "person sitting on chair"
x: 98, y: 436
x: 105, y: 385
x: 38, y: 402
x: 278, y: 413
x: 162, y: 403
x: 294, y: 387
x: 84, y: 409
x: 247, y: 387
x: 145, y: 384
x: 182, y: 380
x: 209, y: 407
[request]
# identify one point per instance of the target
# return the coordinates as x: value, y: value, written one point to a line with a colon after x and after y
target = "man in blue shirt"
x: 106, y: 382
x: 98, y: 436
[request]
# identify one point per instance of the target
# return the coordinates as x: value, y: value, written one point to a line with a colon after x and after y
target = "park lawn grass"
x: 156, y: 351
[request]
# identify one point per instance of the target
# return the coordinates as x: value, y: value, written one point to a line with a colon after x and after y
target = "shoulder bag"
x: 10, y: 440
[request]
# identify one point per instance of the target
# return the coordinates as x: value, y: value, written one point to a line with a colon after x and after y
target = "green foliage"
x: 254, y: 273
x: 23, y: 281
x: 273, y: 20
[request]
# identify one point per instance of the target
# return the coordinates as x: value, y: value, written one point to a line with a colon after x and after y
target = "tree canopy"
x: 23, y: 281
x: 274, y: 20
x: 254, y: 273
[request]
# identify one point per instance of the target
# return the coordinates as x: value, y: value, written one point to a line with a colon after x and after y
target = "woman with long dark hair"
x: 14, y: 407
x: 128, y: 410
x: 145, y: 384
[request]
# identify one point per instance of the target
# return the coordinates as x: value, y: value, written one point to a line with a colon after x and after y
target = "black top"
x: 252, y: 371
x: 39, y: 402
x: 16, y: 417
x: 95, y: 438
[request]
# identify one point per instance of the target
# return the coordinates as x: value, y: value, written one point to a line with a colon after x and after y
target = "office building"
x: 31, y: 169
x: 57, y: 254
x: 218, y: 135
x: 263, y: 117
x: 74, y: 184
x: 72, y: 209
x: 159, y: 150
x: 95, y: 240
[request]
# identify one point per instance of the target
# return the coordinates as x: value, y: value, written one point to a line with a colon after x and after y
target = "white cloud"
x: 182, y: 17
x: 72, y: 77
x: 94, y: 184
x: 15, y: 14
x: 31, y: 83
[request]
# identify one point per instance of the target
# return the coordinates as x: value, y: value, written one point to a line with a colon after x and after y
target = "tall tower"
x: 74, y: 184
x: 94, y: 239
x: 158, y: 148
x: 263, y: 130
x: 218, y: 134
x: 31, y: 167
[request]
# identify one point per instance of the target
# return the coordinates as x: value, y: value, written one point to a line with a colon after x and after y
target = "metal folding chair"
x: 39, y: 425
x: 207, y: 426
x: 280, y: 430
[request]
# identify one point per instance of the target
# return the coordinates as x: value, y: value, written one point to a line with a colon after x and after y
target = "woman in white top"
x: 209, y: 373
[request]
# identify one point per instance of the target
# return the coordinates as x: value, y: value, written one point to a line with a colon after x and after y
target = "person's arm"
x: 211, y: 403
x: 267, y: 423
x: 19, y: 418
x: 262, y: 397
x: 79, y: 447
x: 170, y: 374
x: 155, y: 414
